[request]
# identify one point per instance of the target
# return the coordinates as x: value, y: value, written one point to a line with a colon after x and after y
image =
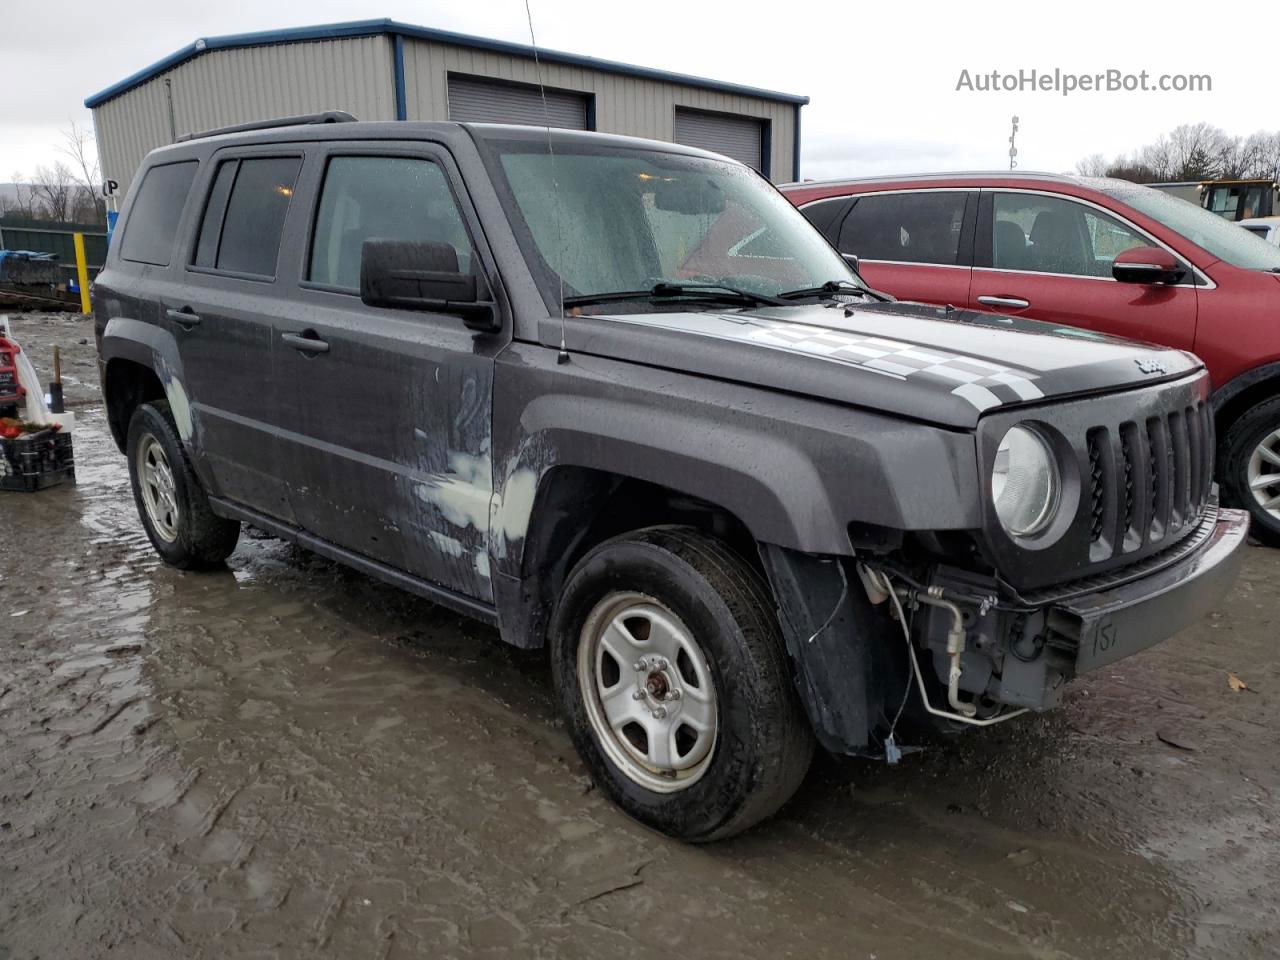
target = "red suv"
x: 1106, y: 255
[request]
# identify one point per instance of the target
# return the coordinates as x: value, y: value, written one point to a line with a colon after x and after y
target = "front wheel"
x: 1250, y: 469
x: 673, y: 676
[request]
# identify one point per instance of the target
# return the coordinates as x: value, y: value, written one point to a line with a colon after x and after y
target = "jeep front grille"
x: 1148, y: 480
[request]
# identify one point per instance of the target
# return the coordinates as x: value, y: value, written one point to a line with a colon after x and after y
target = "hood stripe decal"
x: 979, y: 382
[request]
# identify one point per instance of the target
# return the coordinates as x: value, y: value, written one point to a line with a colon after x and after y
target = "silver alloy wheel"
x: 159, y: 494
x: 648, y: 691
x: 1264, y: 474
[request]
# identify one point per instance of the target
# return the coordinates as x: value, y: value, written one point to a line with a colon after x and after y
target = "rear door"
x: 388, y: 447
x: 915, y: 244
x: 1048, y: 257
x: 224, y: 320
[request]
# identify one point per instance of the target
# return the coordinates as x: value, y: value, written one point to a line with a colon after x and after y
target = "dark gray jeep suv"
x: 619, y: 399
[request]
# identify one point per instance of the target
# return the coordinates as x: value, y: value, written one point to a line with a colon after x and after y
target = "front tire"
x: 672, y: 674
x: 174, y: 509
x: 1250, y: 469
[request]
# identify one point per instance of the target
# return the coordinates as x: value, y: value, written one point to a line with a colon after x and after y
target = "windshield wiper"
x: 661, y: 291
x: 833, y: 287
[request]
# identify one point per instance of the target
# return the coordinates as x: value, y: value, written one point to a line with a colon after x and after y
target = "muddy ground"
x: 287, y: 759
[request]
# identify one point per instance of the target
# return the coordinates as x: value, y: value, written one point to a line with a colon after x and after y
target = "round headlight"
x: 1024, y: 482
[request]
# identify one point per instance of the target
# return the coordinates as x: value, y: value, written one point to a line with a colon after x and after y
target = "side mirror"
x: 852, y: 260
x: 1147, y: 265
x: 407, y: 275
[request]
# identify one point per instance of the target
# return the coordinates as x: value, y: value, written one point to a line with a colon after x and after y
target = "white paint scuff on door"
x: 180, y: 407
x: 462, y: 495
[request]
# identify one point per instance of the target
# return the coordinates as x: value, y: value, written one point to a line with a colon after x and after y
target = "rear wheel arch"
x: 126, y: 385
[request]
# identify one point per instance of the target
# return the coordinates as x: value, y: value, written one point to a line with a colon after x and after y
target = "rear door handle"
x: 1013, y: 303
x: 183, y: 317
x: 306, y: 342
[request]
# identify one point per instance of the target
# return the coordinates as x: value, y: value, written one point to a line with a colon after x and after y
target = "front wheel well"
x: 577, y: 508
x: 1244, y: 400
x: 126, y: 385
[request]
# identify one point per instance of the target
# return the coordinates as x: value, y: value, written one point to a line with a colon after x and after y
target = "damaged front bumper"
x: 1022, y: 655
x: 1012, y: 652
x: 1108, y: 625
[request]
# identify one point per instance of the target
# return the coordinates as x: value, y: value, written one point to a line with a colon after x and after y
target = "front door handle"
x: 1013, y: 303
x: 307, y: 342
x: 184, y: 317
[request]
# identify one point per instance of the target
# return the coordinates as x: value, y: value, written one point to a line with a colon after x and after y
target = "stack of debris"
x: 35, y: 449
x: 27, y: 267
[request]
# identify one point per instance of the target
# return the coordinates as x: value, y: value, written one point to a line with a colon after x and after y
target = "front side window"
x: 153, y: 218
x: 1043, y: 234
x: 244, y: 216
x: 391, y: 198
x: 604, y: 219
x: 1220, y: 238
x: 1237, y: 201
x: 919, y: 227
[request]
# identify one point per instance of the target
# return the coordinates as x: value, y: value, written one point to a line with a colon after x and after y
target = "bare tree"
x: 1264, y: 155
x: 22, y: 204
x: 1194, y: 151
x: 1094, y: 165
x: 54, y: 189
x: 78, y: 146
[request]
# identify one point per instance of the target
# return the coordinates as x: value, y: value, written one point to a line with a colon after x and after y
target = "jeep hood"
x: 936, y: 364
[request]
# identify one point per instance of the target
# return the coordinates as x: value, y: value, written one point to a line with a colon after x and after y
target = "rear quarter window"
x: 156, y: 211
x: 827, y: 215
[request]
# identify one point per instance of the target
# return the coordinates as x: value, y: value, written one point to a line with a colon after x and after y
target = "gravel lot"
x: 287, y: 759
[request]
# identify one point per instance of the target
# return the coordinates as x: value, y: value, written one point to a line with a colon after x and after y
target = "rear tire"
x: 174, y: 509
x: 1250, y: 469
x: 667, y: 621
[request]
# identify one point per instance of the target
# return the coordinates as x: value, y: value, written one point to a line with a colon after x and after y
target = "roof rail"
x: 329, y: 116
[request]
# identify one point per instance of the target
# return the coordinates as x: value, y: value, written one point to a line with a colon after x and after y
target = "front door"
x: 1049, y: 258
x: 388, y: 447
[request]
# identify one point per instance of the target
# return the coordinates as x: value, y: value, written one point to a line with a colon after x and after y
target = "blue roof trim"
x: 370, y: 28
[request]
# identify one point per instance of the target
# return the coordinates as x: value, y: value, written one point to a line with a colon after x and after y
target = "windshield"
x: 609, y: 219
x: 1222, y: 238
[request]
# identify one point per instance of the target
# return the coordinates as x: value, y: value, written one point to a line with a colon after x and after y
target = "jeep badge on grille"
x: 1150, y: 365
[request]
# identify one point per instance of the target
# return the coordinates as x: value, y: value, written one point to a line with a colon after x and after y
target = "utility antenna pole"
x: 1013, y: 150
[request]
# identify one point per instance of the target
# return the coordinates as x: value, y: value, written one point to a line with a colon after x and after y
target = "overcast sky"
x: 882, y: 77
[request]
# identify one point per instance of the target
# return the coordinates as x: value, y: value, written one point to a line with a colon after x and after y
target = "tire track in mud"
x: 288, y: 759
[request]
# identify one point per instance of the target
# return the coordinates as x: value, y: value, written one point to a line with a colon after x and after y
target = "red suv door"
x: 914, y: 244
x: 1049, y: 257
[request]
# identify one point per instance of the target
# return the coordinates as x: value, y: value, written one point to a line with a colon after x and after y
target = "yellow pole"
x: 82, y: 274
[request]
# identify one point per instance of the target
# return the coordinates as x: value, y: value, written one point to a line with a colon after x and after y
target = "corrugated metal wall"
x: 635, y: 106
x: 223, y: 87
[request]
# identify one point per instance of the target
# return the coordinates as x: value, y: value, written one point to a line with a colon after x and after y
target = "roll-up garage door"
x: 479, y: 100
x: 737, y: 137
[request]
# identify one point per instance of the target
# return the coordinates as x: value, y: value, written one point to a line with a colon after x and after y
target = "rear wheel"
x: 672, y: 673
x: 1250, y: 469
x: 174, y: 509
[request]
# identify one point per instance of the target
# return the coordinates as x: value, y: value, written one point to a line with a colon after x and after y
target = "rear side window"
x: 391, y: 198
x: 244, y: 217
x: 906, y: 228
x: 153, y: 219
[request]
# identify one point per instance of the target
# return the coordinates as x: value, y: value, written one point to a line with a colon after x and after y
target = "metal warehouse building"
x: 384, y: 70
